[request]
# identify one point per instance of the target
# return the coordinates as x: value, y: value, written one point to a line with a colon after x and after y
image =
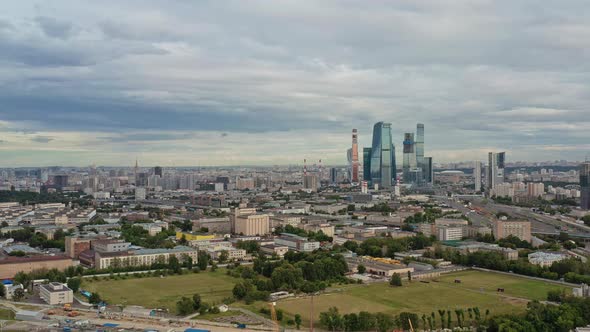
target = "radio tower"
x: 320, y: 171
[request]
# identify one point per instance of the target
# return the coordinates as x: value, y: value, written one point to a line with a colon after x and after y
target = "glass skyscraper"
x: 420, y: 148
x: 367, y: 164
x: 382, y: 162
x: 585, y: 186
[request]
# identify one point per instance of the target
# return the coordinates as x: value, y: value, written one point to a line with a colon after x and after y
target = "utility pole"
x: 311, y: 315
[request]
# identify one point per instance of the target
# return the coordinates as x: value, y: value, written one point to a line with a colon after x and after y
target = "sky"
x: 204, y: 83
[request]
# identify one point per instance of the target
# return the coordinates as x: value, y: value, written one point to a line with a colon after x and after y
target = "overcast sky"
x: 180, y: 83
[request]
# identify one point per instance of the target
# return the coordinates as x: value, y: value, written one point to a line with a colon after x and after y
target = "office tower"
x: 428, y: 170
x: 135, y: 171
x: 496, y: 164
x: 310, y: 181
x: 141, y: 180
x: 333, y: 175
x: 158, y: 171
x: 585, y: 186
x: 367, y: 164
x: 382, y: 156
x: 409, y: 163
x: 349, y: 158
x: 477, y: 175
x: 355, y: 158
x: 419, y: 148
x: 60, y: 181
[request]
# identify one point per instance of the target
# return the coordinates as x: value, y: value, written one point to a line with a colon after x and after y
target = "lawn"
x: 155, y: 292
x: 477, y: 289
x: 6, y: 314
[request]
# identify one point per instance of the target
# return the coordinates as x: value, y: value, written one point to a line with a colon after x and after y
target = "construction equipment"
x: 67, y: 307
x: 73, y: 314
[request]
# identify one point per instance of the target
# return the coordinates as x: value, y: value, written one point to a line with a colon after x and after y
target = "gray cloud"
x: 479, y: 74
x: 42, y: 139
x: 53, y: 27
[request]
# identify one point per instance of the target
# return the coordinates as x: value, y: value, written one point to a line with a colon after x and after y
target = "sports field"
x: 477, y: 289
x: 155, y: 292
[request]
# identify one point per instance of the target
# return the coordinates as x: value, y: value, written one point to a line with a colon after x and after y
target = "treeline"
x: 298, y: 272
x: 27, y: 234
x: 572, y: 269
x: 382, y: 322
x: 571, y: 313
x: 29, y: 197
x: 139, y: 236
x: 387, y: 247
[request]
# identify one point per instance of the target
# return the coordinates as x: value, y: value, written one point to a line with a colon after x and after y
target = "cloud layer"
x: 273, y: 82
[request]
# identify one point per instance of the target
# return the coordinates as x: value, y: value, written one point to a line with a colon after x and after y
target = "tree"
x: 18, y: 294
x: 23, y: 278
x: 331, y: 319
x: 94, y: 298
x: 366, y: 321
x: 74, y: 284
x: 404, y: 318
x: 297, y: 321
x: 395, y: 280
x: 174, y: 264
x: 203, y: 260
x: 384, y: 322
x: 196, y: 301
x: 361, y: 269
x: 449, y: 317
x: 223, y: 256
x: 185, y: 306
x: 442, y: 313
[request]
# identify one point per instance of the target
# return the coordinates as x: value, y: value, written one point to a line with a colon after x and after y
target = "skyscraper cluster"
x: 379, y: 160
x: 417, y: 169
x: 585, y: 186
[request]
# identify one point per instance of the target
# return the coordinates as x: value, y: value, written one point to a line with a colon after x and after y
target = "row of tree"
x: 571, y: 313
x: 366, y: 321
x: 387, y: 246
x: 571, y: 269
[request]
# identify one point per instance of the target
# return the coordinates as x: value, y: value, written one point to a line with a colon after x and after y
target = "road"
x: 476, y: 218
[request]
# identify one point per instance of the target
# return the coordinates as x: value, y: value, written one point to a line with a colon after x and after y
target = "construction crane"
x: 273, y: 316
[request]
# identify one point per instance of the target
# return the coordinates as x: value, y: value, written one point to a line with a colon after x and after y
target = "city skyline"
x: 224, y: 83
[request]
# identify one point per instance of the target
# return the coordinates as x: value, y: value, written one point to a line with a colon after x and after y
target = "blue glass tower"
x: 382, y: 167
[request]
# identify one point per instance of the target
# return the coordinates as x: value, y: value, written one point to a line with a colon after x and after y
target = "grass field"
x: 164, y: 292
x: 477, y: 289
x: 6, y: 314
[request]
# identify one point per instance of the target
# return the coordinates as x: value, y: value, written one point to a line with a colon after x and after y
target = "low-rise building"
x: 272, y: 249
x: 380, y: 268
x: 56, y: 293
x: 142, y: 257
x: 10, y: 266
x: 296, y: 242
x: 449, y: 233
x: 110, y: 245
x: 545, y: 258
x: 466, y: 247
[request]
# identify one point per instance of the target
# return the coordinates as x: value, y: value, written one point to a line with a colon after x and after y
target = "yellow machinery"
x: 383, y: 260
